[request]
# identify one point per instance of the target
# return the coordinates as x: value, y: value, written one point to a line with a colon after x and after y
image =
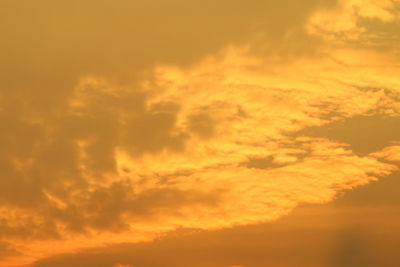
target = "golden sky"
x: 171, y: 133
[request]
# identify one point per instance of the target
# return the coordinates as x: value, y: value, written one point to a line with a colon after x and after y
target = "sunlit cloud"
x: 124, y: 147
x: 187, y: 155
x: 346, y: 22
x: 391, y: 153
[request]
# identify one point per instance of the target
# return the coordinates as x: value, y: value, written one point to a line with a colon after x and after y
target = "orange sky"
x: 199, y: 133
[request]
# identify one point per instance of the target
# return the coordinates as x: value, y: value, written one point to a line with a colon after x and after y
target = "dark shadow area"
x: 365, y: 134
x: 384, y: 192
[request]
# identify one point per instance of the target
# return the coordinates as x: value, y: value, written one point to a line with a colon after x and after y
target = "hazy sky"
x: 173, y: 133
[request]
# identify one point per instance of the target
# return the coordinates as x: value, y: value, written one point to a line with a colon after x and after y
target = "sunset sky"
x: 173, y: 133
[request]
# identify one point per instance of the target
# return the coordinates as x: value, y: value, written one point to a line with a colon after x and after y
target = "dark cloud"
x: 154, y: 130
x: 202, y: 124
x: 261, y: 163
x: 115, y: 207
x: 51, y: 44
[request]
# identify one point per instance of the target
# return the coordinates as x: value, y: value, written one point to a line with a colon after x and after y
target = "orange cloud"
x: 104, y: 143
x: 129, y: 164
x: 391, y: 153
x: 346, y: 20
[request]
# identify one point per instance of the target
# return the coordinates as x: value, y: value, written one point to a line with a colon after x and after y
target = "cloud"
x: 119, y: 129
x: 390, y: 153
x: 313, y: 235
x: 350, y: 21
x: 129, y: 163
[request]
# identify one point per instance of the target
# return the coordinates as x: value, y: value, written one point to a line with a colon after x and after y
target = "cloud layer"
x: 113, y: 132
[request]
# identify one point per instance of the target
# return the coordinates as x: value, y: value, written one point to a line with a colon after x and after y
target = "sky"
x: 173, y: 133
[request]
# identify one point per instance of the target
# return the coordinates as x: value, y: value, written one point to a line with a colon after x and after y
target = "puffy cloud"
x: 351, y: 20
x: 390, y: 153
